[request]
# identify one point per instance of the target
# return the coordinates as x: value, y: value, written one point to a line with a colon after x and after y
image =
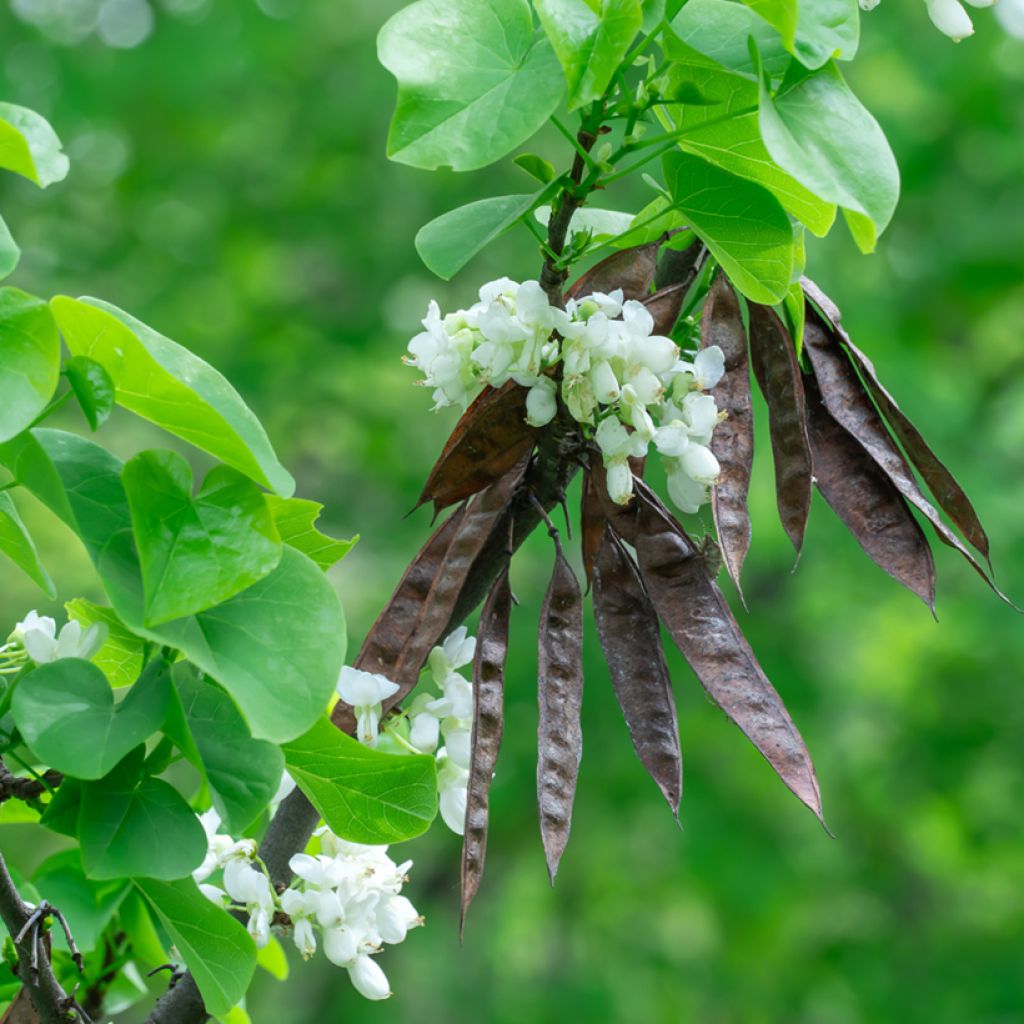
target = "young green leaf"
x: 196, y: 552
x: 17, y: 544
x: 161, y: 381
x: 276, y: 648
x: 120, y: 658
x: 29, y: 359
x: 66, y: 713
x: 590, y: 38
x: 10, y: 254
x: 93, y: 388
x: 364, y: 796
x: 216, y: 948
x: 450, y: 241
x: 536, y: 166
x: 822, y: 135
x: 719, y: 29
x: 826, y: 29
x: 742, y: 224
x: 137, y: 920
x: 473, y: 81
x: 295, y: 519
x: 204, y: 724
x: 131, y: 824
x: 29, y: 146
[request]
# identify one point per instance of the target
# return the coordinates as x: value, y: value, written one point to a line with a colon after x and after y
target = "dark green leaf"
x: 364, y: 796
x: 29, y: 359
x: 17, y: 544
x: 196, y: 552
x: 93, y: 388
x: 215, y: 947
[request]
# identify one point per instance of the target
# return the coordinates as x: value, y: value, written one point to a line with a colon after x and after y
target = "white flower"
x: 341, y: 945
x: 706, y: 370
x: 301, y: 907
x: 452, y: 787
x: 396, y: 916
x: 620, y: 482
x: 700, y: 413
x: 365, y: 691
x: 458, y: 735
x: 424, y: 728
x: 541, y: 403
x: 698, y: 463
x: 368, y: 979
x: 1011, y: 16
x: 456, y: 652
x: 686, y: 494
x: 604, y: 384
x: 672, y: 438
x: 249, y: 886
x: 949, y: 17
x: 38, y: 635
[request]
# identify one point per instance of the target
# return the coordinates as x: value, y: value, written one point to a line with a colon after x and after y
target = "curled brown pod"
x: 488, y: 725
x: 703, y: 628
x: 773, y: 357
x: 631, y: 269
x: 627, y: 626
x: 560, y: 695
x: 733, y: 440
x: 665, y: 306
x: 489, y: 439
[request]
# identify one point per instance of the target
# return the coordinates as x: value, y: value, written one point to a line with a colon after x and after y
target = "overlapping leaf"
x: 30, y: 147
x: 296, y: 520
x: 17, y: 544
x: 631, y: 269
x: 29, y: 360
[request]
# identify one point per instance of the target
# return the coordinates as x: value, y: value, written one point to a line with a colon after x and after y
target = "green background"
x: 228, y: 186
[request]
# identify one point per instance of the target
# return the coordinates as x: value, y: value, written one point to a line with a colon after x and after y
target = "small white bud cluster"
x: 948, y: 16
x: 347, y: 893
x: 35, y: 639
x: 431, y: 718
x: 622, y: 382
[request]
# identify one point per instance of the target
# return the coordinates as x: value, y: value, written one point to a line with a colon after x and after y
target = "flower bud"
x: 368, y: 979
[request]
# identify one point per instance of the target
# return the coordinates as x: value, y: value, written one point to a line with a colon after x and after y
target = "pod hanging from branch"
x: 632, y: 270
x: 560, y: 695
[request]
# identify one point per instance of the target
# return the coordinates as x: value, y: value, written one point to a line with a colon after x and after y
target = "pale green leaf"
x: 474, y: 81
x: 29, y: 360
x: 826, y: 29
x: 161, y: 381
x: 29, y: 146
x: 17, y: 544
x: 273, y: 960
x: 795, y: 308
x: 296, y: 523
x: 120, y: 657
x: 215, y: 947
x: 720, y: 29
x: 9, y: 251
x: 781, y: 15
x: 364, y: 795
x: 536, y: 166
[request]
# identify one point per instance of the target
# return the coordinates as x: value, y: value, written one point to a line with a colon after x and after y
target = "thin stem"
x: 581, y: 151
x: 51, y: 408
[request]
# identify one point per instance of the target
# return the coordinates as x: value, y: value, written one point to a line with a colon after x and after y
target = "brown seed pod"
x: 488, y: 725
x: 592, y: 523
x: 560, y: 694
x: 627, y: 626
x: 773, y: 357
x: 703, y: 628
x: 733, y: 440
x: 665, y: 306
x: 632, y: 270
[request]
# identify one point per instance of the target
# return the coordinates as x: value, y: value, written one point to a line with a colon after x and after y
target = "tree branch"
x: 51, y: 1003
x: 21, y: 787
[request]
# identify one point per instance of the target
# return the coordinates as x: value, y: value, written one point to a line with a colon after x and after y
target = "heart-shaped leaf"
x: 120, y: 657
x: 66, y: 713
x: 131, y: 824
x: 29, y: 359
x: 196, y: 552
x: 296, y: 523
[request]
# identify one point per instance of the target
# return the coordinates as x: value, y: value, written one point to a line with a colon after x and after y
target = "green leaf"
x: 120, y: 657
x: 17, y: 544
x: 61, y: 814
x: 820, y: 133
x: 473, y: 81
x: 781, y: 15
x: 93, y: 388
x: 277, y: 647
x: 66, y: 713
x: 734, y: 143
x: 163, y: 382
x: 132, y: 825
x: 30, y: 147
x: 590, y: 39
x: 296, y: 523
x: 215, y: 947
x: 657, y: 217
x: 9, y: 251
x: 653, y: 12
x: 196, y: 552
x: 536, y: 166
x: 450, y: 241
x: 243, y: 773
x: 29, y: 359
x: 719, y: 29
x: 795, y: 309
x: 364, y: 796
x: 136, y: 921
x: 273, y: 960
x: 742, y: 224
x: 89, y: 906
x: 826, y: 29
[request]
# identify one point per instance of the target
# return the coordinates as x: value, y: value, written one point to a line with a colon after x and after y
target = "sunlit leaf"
x: 296, y: 519
x: 17, y: 544
x: 29, y: 146
x: 29, y: 360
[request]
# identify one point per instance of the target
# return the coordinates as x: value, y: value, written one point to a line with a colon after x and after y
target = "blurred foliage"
x: 229, y: 187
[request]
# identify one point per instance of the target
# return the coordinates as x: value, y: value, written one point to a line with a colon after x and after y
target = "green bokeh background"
x: 229, y: 187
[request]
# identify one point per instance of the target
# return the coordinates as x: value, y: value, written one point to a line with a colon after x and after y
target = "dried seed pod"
x: 560, y: 694
x: 703, y: 628
x: 488, y: 724
x: 627, y: 626
x: 489, y: 439
x: 592, y: 523
x: 773, y: 356
x: 632, y: 270
x: 849, y: 404
x: 867, y: 501
x: 680, y: 266
x: 733, y: 440
x: 943, y: 485
x: 665, y: 306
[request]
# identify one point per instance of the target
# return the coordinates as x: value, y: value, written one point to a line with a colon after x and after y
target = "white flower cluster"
x: 431, y: 717
x: 35, y: 638
x: 617, y: 377
x: 349, y: 893
x: 948, y: 16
